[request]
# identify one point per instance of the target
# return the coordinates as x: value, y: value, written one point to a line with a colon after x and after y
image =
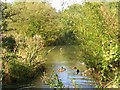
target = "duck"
x: 74, y: 68
x: 62, y: 69
x: 77, y: 70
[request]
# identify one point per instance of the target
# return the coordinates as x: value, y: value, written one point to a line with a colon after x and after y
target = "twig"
x: 108, y: 83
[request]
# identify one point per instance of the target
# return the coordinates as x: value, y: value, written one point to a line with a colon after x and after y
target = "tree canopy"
x: 91, y: 26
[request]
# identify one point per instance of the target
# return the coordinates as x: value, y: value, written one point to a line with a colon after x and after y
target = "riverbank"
x: 17, y: 72
x: 14, y: 81
x: 97, y: 76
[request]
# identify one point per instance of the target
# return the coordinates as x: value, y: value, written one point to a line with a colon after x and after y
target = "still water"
x: 67, y: 57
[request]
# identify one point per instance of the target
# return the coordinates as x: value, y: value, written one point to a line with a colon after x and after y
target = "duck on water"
x: 62, y: 69
x: 77, y: 70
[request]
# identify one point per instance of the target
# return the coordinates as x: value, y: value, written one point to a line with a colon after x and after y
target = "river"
x: 67, y: 57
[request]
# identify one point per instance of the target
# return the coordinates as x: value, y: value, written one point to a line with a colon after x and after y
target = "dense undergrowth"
x: 22, y: 60
x: 28, y: 27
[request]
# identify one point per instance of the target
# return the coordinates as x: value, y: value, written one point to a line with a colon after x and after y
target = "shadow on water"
x: 67, y: 57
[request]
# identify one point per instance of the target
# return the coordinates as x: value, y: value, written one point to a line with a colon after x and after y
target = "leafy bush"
x: 8, y: 43
x: 19, y: 71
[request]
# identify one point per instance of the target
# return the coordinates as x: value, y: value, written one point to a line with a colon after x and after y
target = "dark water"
x: 67, y: 57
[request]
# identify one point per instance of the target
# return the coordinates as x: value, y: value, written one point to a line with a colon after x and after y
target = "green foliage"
x: 8, y: 43
x: 53, y: 80
x: 18, y: 48
x: 19, y: 71
x: 5, y: 14
x: 42, y: 20
x: 24, y: 61
x: 99, y: 43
